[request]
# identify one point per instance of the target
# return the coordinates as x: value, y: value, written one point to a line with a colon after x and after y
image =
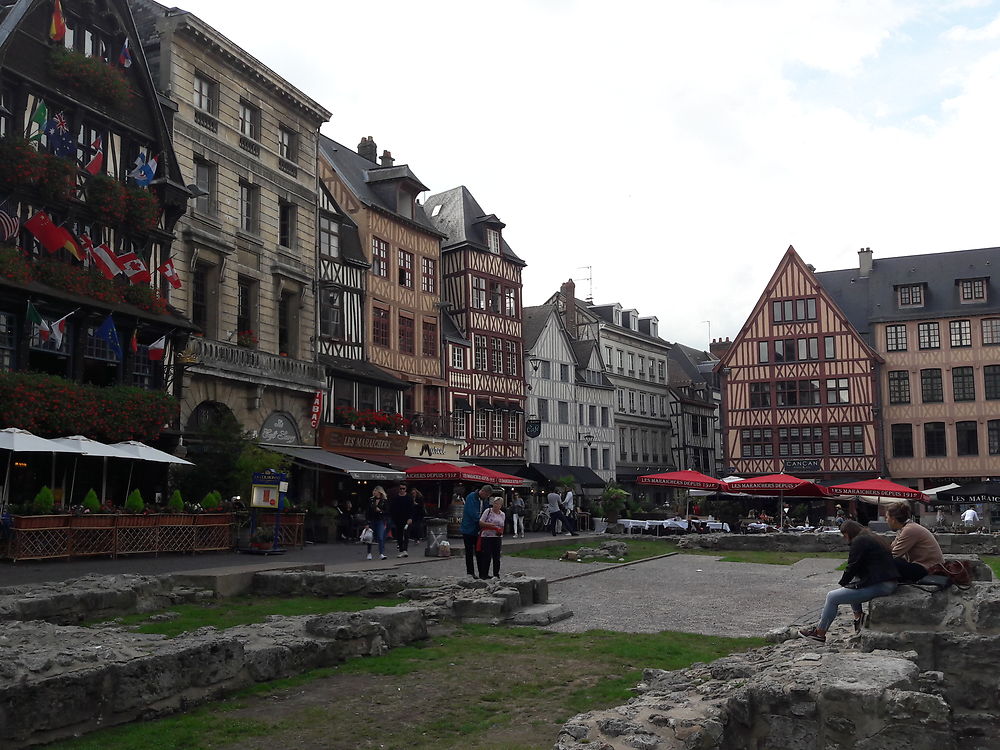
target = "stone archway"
x: 206, y: 415
x: 280, y: 427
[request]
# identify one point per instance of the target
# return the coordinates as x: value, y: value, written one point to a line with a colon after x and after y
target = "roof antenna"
x: 589, y: 278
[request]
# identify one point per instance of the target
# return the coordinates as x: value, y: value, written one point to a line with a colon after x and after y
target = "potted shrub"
x: 38, y: 514
x: 613, y: 502
x: 263, y: 538
x: 134, y: 503
x: 176, y: 503
x: 106, y: 197
x: 247, y: 339
x: 92, y: 517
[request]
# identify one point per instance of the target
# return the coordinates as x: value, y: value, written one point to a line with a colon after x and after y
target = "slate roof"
x: 361, y: 175
x: 350, y: 237
x: 873, y: 299
x: 688, y: 358
x: 583, y: 349
x: 462, y: 220
x: 353, y: 368
x: 450, y: 330
x: 533, y: 323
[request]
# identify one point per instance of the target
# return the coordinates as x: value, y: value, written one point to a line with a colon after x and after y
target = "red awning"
x: 879, y: 488
x: 779, y: 484
x: 692, y: 479
x: 448, y: 472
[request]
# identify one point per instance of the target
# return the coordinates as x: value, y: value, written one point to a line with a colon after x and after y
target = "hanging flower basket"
x: 145, y: 298
x: 13, y: 265
x: 143, y: 209
x: 20, y: 164
x: 107, y: 198
x: 89, y: 75
x: 247, y: 339
x: 58, y: 178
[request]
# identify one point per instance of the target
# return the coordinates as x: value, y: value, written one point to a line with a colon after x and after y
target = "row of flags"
x: 55, y: 331
x: 57, y: 33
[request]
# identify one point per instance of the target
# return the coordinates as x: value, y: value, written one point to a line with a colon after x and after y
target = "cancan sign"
x: 317, y: 409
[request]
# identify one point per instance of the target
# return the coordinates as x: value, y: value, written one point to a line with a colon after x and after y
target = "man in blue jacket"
x: 475, y: 503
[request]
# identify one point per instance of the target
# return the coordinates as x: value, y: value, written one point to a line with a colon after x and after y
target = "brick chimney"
x: 568, y: 292
x: 367, y: 149
x: 718, y: 347
x: 387, y: 160
x: 864, y: 262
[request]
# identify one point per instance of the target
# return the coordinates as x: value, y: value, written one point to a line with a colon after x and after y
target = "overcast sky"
x: 676, y: 148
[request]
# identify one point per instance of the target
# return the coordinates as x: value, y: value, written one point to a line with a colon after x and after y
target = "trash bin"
x: 437, y: 531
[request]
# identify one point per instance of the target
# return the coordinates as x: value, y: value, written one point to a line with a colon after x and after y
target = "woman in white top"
x: 491, y: 526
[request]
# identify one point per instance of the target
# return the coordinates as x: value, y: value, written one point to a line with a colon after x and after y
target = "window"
x: 287, y: 143
x: 607, y: 357
x: 205, y: 97
x: 498, y: 419
x: 838, y: 391
x: 543, y: 454
x: 479, y: 293
x: 204, y: 178
x: 991, y: 381
x: 428, y: 275
x: 993, y: 436
x: 895, y: 338
x: 756, y: 443
x: 786, y: 393
x: 481, y: 418
x: 510, y: 302
x: 621, y: 400
x: 631, y: 402
x: 605, y: 458
x: 480, y: 354
x: 899, y: 387
x: 407, y: 335
x: 380, y: 327
x: 497, y: 355
x: 931, y: 388
x: 564, y: 455
x: 405, y: 269
x: 514, y: 428
x: 200, y: 295
x: 973, y: 290
x: 760, y: 395
x: 563, y: 412
x: 808, y: 349
x: 564, y: 373
x: 429, y: 346
x: 809, y: 393
x: 605, y: 416
x: 493, y: 240
x: 934, y: 440
x: 929, y: 335
x: 991, y: 331
x: 631, y: 363
x: 661, y: 369
x: 762, y: 350
x: 380, y: 258
x: 458, y: 357
x: 963, y: 385
x: 543, y: 409
x: 495, y: 297
x: 911, y: 295
x: 966, y: 439
x: 287, y: 317
x: 513, y: 358
x: 829, y: 347
x: 249, y: 198
x: 331, y: 311
x: 329, y: 236
x: 902, y: 441
x: 846, y: 440
x: 459, y: 425
x: 787, y: 311
x: 7, y: 341
x: 961, y: 333
x: 545, y: 369
x: 592, y: 414
x: 249, y: 121
x: 642, y: 403
x: 286, y: 224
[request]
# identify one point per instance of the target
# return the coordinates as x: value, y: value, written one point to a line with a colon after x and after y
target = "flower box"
x: 40, y: 522
x: 90, y: 75
x: 212, y: 519
x: 95, y: 521
x: 131, y: 521
x: 176, y: 519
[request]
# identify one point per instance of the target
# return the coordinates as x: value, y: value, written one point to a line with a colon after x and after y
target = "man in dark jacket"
x: 401, y: 512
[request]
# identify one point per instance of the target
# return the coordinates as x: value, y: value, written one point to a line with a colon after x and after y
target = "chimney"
x: 387, y: 159
x: 718, y: 347
x: 568, y: 292
x: 864, y: 262
x: 367, y: 149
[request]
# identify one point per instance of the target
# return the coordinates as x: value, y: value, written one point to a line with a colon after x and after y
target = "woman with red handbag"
x: 491, y: 526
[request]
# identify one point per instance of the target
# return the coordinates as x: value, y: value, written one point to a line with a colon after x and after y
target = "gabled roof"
x: 873, y: 298
x: 356, y: 369
x: 356, y: 172
x: 459, y: 217
x: 583, y: 352
x: 350, y: 238
x: 688, y: 360
x: 534, y: 322
x: 450, y: 330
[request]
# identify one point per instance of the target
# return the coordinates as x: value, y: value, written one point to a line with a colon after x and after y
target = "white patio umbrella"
x: 87, y: 447
x: 21, y: 441
x: 142, y: 452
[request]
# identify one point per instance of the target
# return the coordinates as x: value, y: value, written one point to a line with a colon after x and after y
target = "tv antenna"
x: 589, y: 278
x: 709, y: 322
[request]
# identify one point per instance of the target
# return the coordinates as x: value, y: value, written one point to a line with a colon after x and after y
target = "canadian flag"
x: 105, y: 260
x: 157, y: 348
x: 134, y: 268
x: 170, y: 273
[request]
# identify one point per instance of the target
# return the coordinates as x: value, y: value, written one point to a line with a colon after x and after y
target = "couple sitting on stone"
x: 875, y: 567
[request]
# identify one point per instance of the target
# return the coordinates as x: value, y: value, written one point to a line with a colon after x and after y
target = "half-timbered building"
x: 481, y: 286
x: 799, y: 385
x: 693, y: 399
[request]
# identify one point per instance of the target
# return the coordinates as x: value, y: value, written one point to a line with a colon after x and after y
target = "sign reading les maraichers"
x: 358, y: 441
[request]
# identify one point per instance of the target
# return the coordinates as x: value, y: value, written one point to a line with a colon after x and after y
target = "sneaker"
x: 860, y: 623
x: 404, y: 554
x: 369, y: 555
x: 814, y: 634
x: 569, y: 533
x: 381, y: 557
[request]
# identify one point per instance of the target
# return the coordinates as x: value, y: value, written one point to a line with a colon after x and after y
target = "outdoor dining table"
x: 671, y: 523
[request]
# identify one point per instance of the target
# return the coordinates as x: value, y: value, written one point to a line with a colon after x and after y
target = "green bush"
x: 43, y: 503
x: 135, y: 503
x: 212, y: 501
x: 90, y: 502
x: 176, y: 503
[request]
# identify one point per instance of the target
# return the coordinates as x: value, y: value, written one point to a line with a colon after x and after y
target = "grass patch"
x: 245, y: 610
x: 994, y: 562
x: 638, y: 549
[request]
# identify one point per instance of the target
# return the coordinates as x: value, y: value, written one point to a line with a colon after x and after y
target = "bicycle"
x: 540, y: 521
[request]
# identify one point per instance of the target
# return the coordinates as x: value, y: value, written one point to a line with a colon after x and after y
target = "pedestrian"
x: 556, y: 514
x: 970, y: 517
x: 418, y: 513
x: 401, y: 511
x: 870, y: 573
x: 491, y: 526
x: 378, y: 516
x: 517, y: 513
x: 840, y: 517
x: 569, y: 506
x: 345, y: 522
x: 914, y: 549
x: 471, y: 512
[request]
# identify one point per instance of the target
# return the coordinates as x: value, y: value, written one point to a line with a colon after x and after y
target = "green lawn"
x: 244, y: 610
x: 994, y: 562
x: 482, y: 687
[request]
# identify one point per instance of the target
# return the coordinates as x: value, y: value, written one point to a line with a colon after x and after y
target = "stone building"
x: 247, y: 257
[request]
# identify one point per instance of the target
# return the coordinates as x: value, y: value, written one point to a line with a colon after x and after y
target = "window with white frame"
x: 329, y: 236
x: 458, y: 357
x: 960, y: 333
x: 459, y: 425
x: 493, y: 240
x: 287, y: 143
x: 991, y: 331
x: 513, y: 357
x: 972, y: 290
x: 249, y: 120
x: 481, y: 424
x: 481, y: 354
x: 514, y: 427
x: 205, y: 94
x: 479, y: 293
x: 380, y: 257
x: 497, y: 355
x: 498, y: 421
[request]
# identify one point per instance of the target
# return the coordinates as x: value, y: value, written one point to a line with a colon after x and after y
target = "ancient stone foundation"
x: 951, y: 544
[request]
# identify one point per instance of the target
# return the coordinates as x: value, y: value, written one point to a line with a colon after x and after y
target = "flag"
x: 57, y: 29
x: 73, y: 247
x: 59, y: 330
x: 105, y: 260
x: 8, y: 224
x: 38, y: 325
x: 157, y: 348
x: 170, y: 273
x: 109, y: 333
x: 144, y: 170
x: 39, y: 117
x: 133, y: 345
x: 51, y: 237
x: 61, y: 142
x: 96, y: 163
x: 125, y: 56
x: 134, y: 268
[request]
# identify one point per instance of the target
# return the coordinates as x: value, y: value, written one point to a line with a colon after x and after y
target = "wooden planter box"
x: 94, y: 521
x: 40, y: 522
x: 134, y: 521
x: 176, y: 519
x: 212, y: 519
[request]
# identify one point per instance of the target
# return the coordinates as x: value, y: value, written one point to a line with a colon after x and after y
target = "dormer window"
x: 404, y: 203
x: 972, y: 290
x: 493, y: 241
x: 910, y: 295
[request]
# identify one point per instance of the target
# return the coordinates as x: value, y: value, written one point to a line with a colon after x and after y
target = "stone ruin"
x: 92, y: 677
x: 612, y: 549
x: 923, y: 675
x: 951, y: 544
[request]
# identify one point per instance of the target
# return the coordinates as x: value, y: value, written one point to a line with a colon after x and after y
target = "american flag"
x: 9, y: 225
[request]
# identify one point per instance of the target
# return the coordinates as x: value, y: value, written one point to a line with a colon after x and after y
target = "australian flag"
x: 60, y: 140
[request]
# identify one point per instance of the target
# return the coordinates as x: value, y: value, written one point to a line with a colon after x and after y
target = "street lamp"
x: 535, y: 363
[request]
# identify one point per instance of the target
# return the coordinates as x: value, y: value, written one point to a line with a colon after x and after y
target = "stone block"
x: 510, y: 597
x: 485, y: 608
x: 911, y: 607
x: 540, y: 589
x: 525, y: 588
x: 540, y: 615
x: 403, y: 625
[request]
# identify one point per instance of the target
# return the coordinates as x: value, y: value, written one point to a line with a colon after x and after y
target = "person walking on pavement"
x: 491, y: 526
x: 970, y: 517
x: 556, y: 514
x: 378, y: 514
x: 517, y: 511
x: 401, y: 510
x: 418, y: 513
x: 475, y: 502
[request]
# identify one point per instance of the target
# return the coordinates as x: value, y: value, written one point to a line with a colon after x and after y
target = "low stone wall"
x: 951, y: 544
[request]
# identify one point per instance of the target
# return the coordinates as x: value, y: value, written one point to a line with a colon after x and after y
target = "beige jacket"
x: 916, y: 544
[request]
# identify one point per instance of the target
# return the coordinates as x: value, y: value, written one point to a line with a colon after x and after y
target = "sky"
x: 664, y: 155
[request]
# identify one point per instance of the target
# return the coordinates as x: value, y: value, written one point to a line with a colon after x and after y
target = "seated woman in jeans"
x: 870, y: 561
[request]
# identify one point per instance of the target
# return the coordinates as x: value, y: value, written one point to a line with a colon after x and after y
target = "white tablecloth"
x: 630, y: 523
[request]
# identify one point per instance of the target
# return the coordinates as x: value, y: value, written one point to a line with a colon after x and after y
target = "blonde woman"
x: 378, y: 509
x: 491, y: 526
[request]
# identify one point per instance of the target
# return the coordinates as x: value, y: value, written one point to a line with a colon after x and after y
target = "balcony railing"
x: 254, y: 363
x: 432, y: 425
